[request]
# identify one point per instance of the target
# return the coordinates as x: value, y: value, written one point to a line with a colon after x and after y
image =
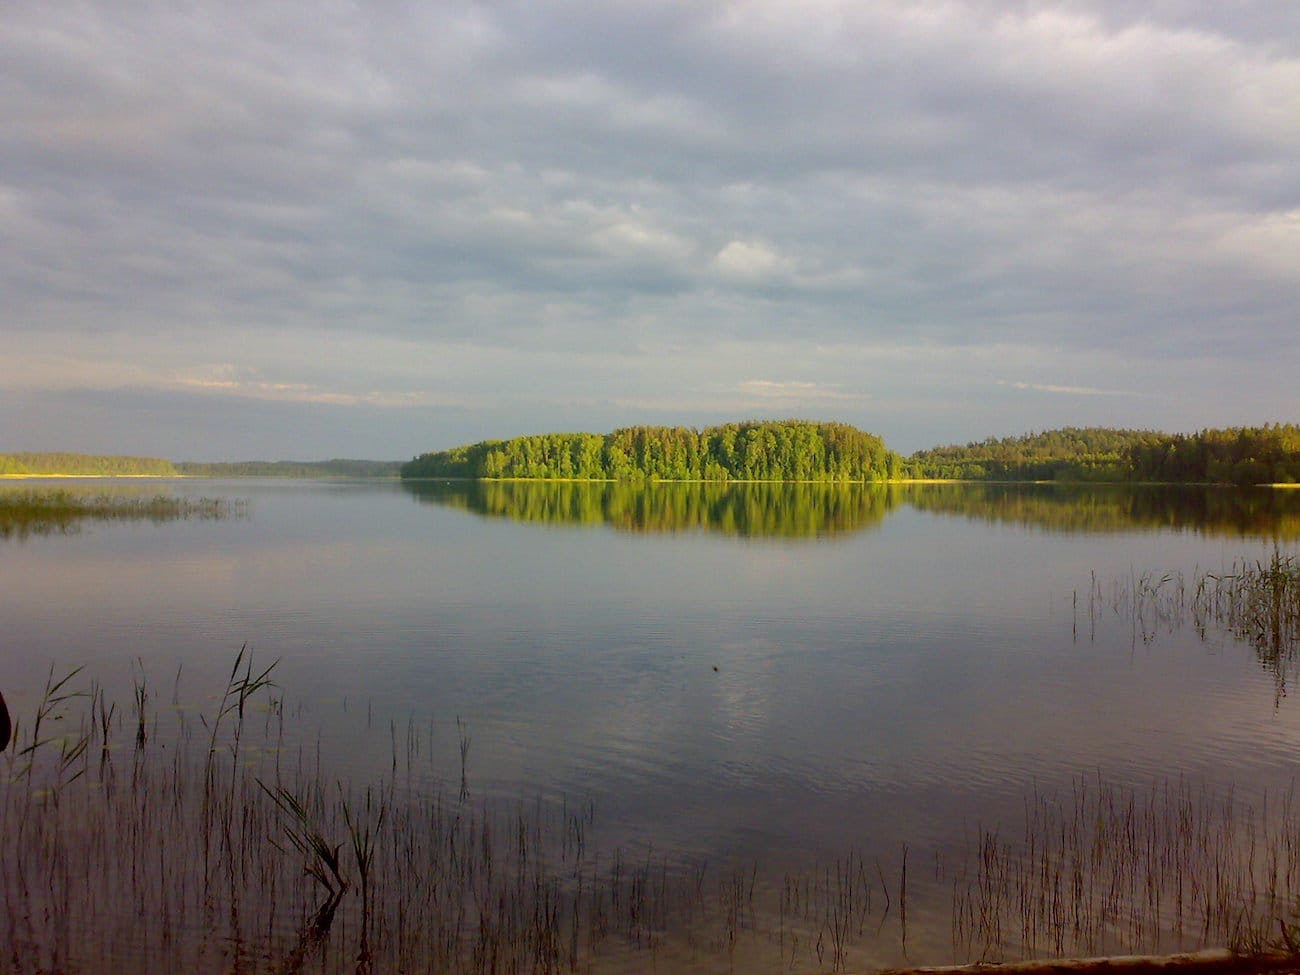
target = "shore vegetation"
x: 1268, y: 454
x: 83, y: 465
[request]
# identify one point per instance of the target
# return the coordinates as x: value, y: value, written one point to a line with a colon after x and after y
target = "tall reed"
x: 213, y: 846
x: 1102, y: 869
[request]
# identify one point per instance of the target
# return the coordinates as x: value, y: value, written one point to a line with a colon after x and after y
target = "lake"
x: 771, y: 686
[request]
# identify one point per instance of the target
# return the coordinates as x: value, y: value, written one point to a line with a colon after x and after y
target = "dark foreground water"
x: 766, y: 686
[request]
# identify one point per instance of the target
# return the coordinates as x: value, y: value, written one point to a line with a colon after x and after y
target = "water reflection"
x: 1234, y: 512
x: 755, y: 510
x: 820, y: 510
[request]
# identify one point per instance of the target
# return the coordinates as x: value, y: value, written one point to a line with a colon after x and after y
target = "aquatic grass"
x: 55, y: 701
x: 300, y: 828
x: 363, y: 828
x: 214, y: 856
x: 46, y: 512
x: 210, y: 856
x: 1256, y: 602
x: 240, y: 688
x: 1103, y: 869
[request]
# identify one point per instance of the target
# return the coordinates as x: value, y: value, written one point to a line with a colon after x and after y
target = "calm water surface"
x: 765, y: 674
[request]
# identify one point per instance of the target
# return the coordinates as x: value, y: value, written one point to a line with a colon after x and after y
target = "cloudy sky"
x: 306, y: 230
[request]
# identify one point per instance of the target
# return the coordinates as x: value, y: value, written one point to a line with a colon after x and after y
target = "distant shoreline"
x: 608, y: 480
x: 763, y: 452
x: 198, y: 477
x: 92, y: 477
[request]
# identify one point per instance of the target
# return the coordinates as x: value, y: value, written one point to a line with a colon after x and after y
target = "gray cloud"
x: 545, y: 214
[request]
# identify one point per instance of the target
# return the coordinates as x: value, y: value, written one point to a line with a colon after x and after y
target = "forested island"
x: 798, y: 450
x: 784, y: 450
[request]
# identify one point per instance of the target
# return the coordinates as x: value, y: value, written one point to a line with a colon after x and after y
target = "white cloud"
x: 750, y: 261
x: 1067, y: 390
x: 305, y: 393
x: 795, y: 392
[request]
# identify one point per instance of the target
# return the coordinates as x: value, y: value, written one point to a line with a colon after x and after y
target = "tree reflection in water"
x: 818, y: 510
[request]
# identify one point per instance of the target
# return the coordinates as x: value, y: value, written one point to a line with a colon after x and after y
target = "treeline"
x: 96, y: 465
x: 1069, y: 454
x: 785, y: 450
x: 1241, y: 455
x: 1269, y: 454
x: 292, y: 468
x: 84, y: 465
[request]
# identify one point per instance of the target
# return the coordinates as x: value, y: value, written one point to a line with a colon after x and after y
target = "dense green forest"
x: 785, y: 450
x: 1238, y: 455
x: 85, y: 465
x: 1072, y: 453
x: 292, y: 468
